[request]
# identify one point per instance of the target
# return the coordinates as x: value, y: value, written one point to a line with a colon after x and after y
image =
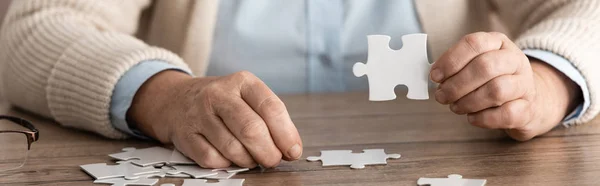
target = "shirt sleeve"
x: 126, y: 88
x: 567, y: 68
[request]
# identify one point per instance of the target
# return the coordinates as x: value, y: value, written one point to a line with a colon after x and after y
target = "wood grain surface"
x: 433, y: 143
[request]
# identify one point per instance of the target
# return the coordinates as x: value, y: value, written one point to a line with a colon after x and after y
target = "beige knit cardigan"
x: 62, y: 58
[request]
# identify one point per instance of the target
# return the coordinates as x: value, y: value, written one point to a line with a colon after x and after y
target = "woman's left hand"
x: 488, y: 78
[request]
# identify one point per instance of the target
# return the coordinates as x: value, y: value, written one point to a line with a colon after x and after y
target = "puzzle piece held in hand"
x: 355, y: 160
x: 202, y: 182
x: 388, y: 68
x: 452, y: 180
x: 122, y: 169
x: 125, y: 182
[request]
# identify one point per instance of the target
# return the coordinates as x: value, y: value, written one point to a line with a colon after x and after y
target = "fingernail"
x: 436, y: 75
x: 295, y: 152
x: 440, y: 97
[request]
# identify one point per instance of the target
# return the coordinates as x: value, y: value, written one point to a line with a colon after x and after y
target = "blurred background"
x: 3, y: 6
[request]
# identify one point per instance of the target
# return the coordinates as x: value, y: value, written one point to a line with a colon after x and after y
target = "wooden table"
x: 433, y: 143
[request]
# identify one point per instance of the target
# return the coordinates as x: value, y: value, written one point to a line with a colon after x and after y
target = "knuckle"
x: 453, y: 64
x: 209, y: 96
x: 499, y: 35
x: 497, y: 92
x: 522, y: 134
x: 212, y: 86
x: 485, y: 66
x: 509, y: 115
x: 211, y: 159
x: 211, y: 91
x: 476, y: 41
x: 252, y: 129
x: 272, y: 106
x: 229, y: 145
x: 244, y: 75
x: 450, y: 92
x: 233, y: 148
x: 527, y: 131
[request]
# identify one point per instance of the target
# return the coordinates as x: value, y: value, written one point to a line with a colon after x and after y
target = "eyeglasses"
x: 15, y: 142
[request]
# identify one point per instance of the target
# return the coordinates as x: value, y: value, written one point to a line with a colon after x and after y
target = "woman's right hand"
x: 217, y: 121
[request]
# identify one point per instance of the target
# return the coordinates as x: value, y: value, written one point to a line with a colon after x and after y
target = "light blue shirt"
x: 302, y: 47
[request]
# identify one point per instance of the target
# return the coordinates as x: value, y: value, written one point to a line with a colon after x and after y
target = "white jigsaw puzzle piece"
x: 387, y: 68
x: 160, y: 172
x: 226, y: 173
x: 221, y: 175
x: 355, y: 160
x: 177, y: 158
x: 203, y: 182
x: 194, y: 171
x: 233, y: 169
x: 452, y: 180
x: 122, y: 169
x: 125, y: 182
x: 144, y: 157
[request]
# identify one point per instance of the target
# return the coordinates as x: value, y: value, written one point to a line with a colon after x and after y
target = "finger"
x: 469, y: 47
x: 511, y: 115
x: 479, y: 71
x: 494, y: 93
x: 221, y: 138
x: 249, y: 128
x: 527, y: 132
x: 273, y: 111
x: 196, y: 147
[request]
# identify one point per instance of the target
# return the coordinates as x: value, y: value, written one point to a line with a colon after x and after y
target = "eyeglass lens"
x: 13, y: 147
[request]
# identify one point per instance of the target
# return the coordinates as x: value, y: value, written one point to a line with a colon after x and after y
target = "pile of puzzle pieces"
x: 145, y: 166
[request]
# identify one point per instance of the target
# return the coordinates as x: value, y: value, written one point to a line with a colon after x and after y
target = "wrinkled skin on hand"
x: 488, y: 78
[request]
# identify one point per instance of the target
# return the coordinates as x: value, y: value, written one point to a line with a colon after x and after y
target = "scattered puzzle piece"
x: 153, y: 156
x: 144, y: 157
x: 177, y: 158
x: 194, y: 171
x: 125, y: 182
x: 387, y: 68
x: 355, y: 160
x: 144, y: 166
x: 232, y: 169
x: 221, y: 175
x: 122, y: 169
x: 160, y: 172
x: 199, y: 172
x: 226, y: 173
x: 452, y: 180
x: 202, y: 182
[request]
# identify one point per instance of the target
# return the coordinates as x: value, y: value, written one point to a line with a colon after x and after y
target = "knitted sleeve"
x: 569, y: 28
x: 62, y: 58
